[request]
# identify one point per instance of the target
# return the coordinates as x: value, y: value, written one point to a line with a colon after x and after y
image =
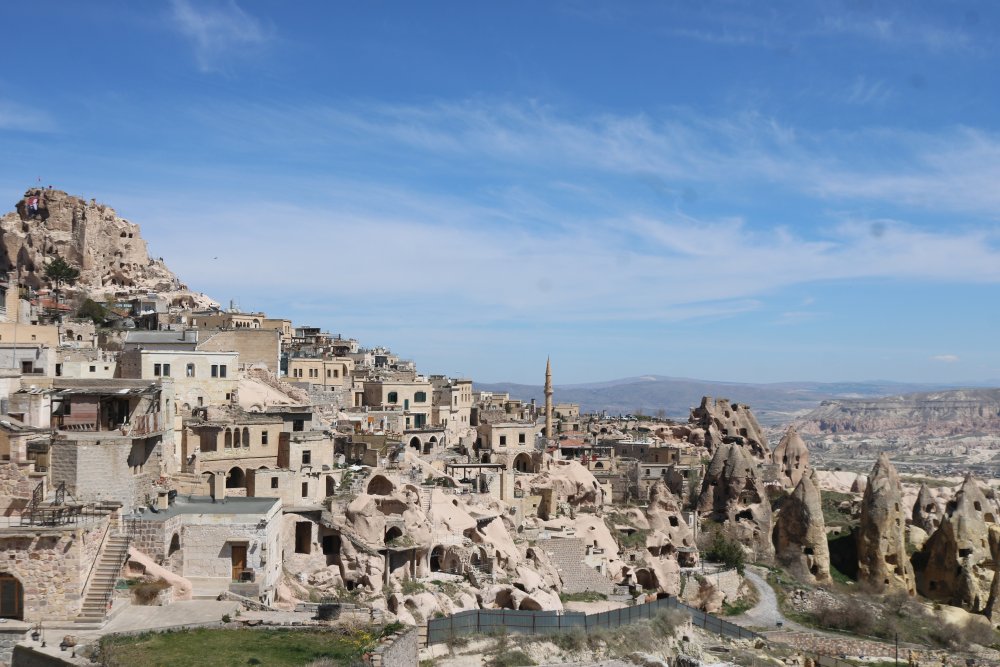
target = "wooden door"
x: 239, y: 558
x: 11, y: 597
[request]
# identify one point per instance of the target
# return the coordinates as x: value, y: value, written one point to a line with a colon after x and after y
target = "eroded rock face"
x: 108, y: 250
x: 800, y: 534
x: 882, y: 559
x: 733, y: 494
x: 958, y: 564
x: 792, y: 458
x: 724, y: 421
x: 926, y: 511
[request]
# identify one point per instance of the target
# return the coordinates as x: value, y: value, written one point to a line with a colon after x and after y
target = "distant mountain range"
x: 774, y: 403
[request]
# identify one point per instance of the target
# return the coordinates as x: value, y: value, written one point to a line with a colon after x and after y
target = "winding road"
x: 765, y: 614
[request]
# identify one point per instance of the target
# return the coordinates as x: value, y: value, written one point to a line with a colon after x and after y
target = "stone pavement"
x: 138, y: 618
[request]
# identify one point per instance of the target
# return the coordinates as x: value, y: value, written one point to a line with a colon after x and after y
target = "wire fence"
x: 486, y: 621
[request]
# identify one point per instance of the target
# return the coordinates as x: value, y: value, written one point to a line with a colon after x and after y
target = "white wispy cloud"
x: 945, y: 358
x: 14, y: 116
x: 864, y: 91
x: 217, y: 30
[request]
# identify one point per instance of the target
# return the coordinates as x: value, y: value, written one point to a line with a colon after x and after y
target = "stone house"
x: 200, y: 378
x: 335, y: 372
x: 112, y: 439
x: 512, y: 443
x: 413, y: 394
x: 234, y: 445
x: 222, y: 543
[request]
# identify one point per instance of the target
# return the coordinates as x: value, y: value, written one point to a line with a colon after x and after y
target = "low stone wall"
x: 26, y: 656
x: 398, y: 650
x: 9, y: 637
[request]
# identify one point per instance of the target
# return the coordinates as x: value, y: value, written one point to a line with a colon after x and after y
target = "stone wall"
x: 255, y: 346
x: 152, y: 537
x: 10, y: 635
x: 15, y: 488
x: 398, y: 650
x: 27, y: 656
x: 98, y: 470
x: 52, y: 565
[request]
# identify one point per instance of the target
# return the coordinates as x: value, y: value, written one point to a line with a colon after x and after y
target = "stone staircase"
x: 102, y: 582
x: 567, y: 554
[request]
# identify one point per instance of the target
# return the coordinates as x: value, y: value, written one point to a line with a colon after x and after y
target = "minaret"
x: 548, y: 398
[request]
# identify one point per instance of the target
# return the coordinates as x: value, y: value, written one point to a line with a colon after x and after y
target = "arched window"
x: 246, y: 437
x: 229, y: 438
x: 393, y: 397
x: 236, y: 437
x: 420, y: 397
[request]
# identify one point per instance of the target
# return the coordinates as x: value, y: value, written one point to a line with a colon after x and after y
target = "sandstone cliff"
x: 935, y: 413
x: 107, y: 249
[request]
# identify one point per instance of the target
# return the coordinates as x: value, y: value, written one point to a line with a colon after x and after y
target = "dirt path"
x: 765, y: 614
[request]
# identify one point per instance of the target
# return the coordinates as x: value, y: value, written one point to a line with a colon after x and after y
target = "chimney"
x: 162, y: 502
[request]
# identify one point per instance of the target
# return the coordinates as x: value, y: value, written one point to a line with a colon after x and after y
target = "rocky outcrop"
x: 792, y: 458
x: 883, y: 563
x: 107, y: 249
x: 958, y: 564
x: 926, y: 511
x: 733, y: 493
x: 726, y: 422
x: 800, y: 534
x: 936, y: 413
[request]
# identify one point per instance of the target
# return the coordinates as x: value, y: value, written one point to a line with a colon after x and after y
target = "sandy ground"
x: 594, y: 607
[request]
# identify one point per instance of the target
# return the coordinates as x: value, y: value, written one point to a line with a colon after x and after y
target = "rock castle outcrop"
x: 107, y: 249
x: 729, y: 422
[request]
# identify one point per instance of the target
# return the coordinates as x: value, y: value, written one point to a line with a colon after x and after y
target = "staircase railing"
x: 97, y: 558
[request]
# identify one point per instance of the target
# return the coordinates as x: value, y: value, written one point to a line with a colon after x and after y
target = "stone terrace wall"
x: 398, y: 650
x: 152, y: 537
x: 52, y: 566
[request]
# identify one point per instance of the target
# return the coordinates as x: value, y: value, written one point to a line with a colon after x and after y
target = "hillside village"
x: 154, y: 440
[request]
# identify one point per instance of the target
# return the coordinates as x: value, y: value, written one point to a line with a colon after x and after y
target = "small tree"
x: 92, y: 310
x: 723, y: 549
x: 60, y: 272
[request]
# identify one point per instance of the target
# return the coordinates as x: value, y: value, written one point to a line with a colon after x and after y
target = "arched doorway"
x: 392, y: 533
x: 236, y: 479
x: 175, y: 544
x: 415, y: 443
x: 522, y: 463
x: 380, y: 486
x: 437, y: 558
x: 331, y: 485
x: 11, y: 597
x: 485, y: 458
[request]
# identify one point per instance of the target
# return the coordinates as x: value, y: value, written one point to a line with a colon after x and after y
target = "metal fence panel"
x: 487, y: 621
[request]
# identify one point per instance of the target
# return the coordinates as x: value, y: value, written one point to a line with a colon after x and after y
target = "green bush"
x: 727, y: 551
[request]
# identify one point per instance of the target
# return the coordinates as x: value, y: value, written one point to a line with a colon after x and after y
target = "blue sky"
x: 720, y: 190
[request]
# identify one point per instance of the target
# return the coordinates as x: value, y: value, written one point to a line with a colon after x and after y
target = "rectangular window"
x: 298, y: 425
x: 274, y: 482
x: 157, y: 370
x: 189, y: 371
x: 305, y: 489
x: 520, y: 438
x: 329, y: 373
x: 166, y: 370
x: 215, y: 370
x: 93, y: 369
x: 306, y: 457
x: 263, y: 437
x: 222, y: 371
x: 503, y: 440
x: 336, y: 373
